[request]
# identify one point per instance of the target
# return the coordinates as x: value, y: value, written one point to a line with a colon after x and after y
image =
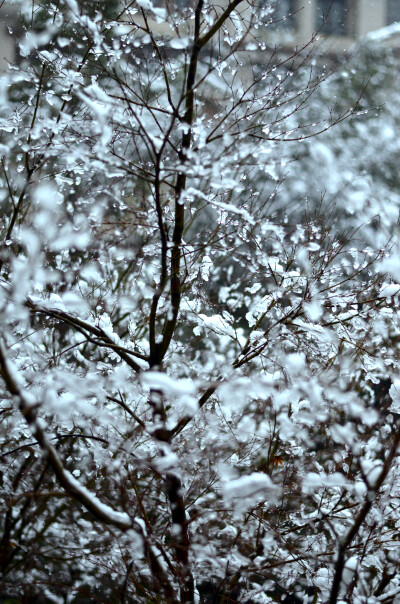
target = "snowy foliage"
x: 198, y: 359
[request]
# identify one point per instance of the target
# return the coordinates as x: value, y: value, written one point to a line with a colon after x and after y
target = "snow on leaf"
x: 313, y: 310
x: 249, y: 490
x: 313, y: 481
x: 218, y: 325
x: 254, y: 288
x: 229, y: 207
x: 180, y: 43
x: 166, y: 384
x: 205, y: 268
x: 390, y: 264
x: 389, y: 289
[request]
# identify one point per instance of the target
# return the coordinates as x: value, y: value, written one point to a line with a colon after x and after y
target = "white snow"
x: 156, y: 380
x: 249, y: 489
x: 217, y: 324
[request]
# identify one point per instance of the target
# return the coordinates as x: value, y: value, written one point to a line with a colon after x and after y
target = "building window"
x: 332, y: 17
x: 393, y: 11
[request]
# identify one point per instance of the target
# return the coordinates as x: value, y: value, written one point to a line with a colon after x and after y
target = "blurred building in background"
x: 7, y: 41
x: 338, y: 21
x: 292, y: 22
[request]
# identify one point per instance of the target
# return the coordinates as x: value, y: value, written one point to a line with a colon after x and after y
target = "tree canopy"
x: 199, y: 317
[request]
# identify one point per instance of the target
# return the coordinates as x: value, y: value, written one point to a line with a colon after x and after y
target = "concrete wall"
x: 363, y: 16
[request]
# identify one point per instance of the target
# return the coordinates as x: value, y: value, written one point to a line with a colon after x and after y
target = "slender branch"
x: 185, y: 420
x: 84, y: 327
x: 15, y: 214
x: 354, y: 530
x: 72, y: 486
x: 122, y: 404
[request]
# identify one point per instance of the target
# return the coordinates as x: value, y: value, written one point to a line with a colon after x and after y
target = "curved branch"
x: 101, y: 511
x: 360, y: 518
x: 84, y: 327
